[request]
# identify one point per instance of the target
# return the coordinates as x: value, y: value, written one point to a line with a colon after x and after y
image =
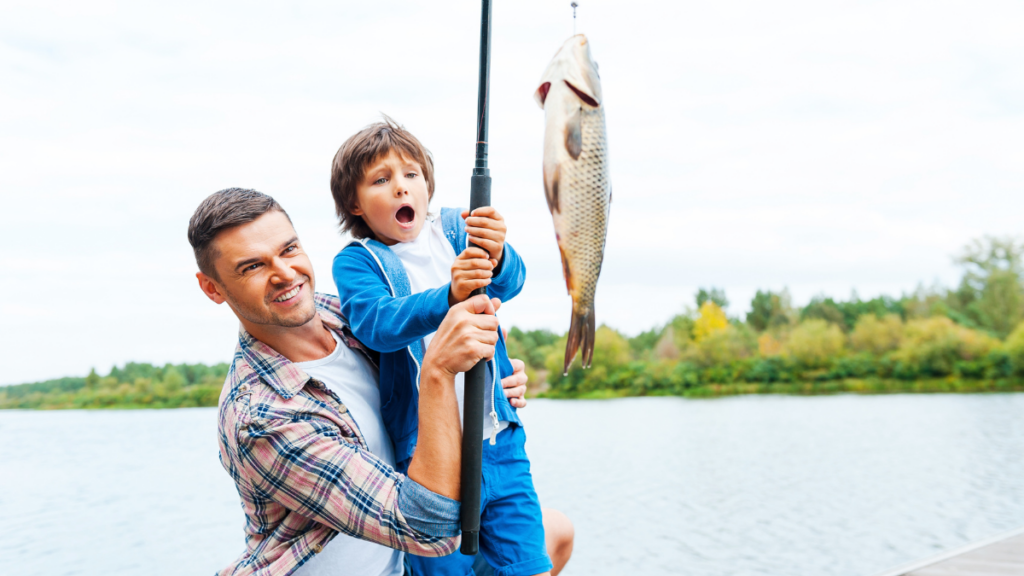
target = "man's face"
x: 265, y: 276
x: 392, y: 198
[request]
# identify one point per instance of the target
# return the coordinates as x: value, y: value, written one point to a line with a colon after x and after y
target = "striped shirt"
x: 303, y: 470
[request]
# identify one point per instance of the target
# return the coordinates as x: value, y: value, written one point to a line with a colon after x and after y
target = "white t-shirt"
x: 351, y: 376
x: 428, y: 263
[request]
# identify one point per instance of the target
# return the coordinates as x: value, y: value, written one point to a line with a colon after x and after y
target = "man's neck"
x: 311, y: 341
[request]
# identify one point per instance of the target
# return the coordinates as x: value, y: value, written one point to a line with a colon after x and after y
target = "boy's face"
x: 392, y: 198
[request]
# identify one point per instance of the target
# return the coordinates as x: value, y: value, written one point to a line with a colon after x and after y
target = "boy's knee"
x: 559, y: 534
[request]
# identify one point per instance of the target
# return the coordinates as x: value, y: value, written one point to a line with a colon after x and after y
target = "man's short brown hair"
x: 224, y: 209
x: 360, y: 151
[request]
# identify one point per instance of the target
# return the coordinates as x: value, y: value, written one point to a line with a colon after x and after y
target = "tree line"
x: 135, y: 385
x: 964, y: 339
x: 968, y: 338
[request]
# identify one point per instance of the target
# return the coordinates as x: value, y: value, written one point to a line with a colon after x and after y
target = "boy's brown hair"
x: 360, y: 151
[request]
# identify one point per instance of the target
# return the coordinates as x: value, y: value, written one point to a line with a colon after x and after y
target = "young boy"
x: 396, y: 282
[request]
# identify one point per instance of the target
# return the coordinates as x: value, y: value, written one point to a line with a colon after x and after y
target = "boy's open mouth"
x: 405, y: 215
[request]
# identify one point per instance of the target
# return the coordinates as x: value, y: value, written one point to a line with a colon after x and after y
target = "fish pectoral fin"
x: 574, y: 134
x: 565, y: 271
x: 551, y: 189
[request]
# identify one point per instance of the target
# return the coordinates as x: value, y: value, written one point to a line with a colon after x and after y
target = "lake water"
x: 772, y: 485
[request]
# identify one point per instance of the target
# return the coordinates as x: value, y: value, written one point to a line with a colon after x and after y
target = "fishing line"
x: 574, y: 5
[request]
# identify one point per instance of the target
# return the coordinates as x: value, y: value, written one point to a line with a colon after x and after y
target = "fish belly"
x: 584, y: 203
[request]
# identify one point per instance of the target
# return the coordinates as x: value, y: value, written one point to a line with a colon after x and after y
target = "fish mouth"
x: 405, y: 216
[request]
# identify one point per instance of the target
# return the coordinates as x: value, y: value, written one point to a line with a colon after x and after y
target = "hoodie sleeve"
x: 378, y: 319
x: 511, y: 276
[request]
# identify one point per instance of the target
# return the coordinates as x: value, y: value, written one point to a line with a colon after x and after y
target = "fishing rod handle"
x: 473, y: 411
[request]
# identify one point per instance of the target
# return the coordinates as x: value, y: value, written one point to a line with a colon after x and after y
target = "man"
x: 309, y: 456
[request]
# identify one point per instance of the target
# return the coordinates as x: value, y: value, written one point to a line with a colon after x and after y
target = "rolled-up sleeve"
x: 428, y: 512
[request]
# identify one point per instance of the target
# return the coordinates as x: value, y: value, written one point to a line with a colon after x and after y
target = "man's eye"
x: 251, y: 267
x: 291, y: 248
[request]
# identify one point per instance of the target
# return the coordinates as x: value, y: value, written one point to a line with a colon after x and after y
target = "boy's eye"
x: 411, y: 175
x: 381, y: 180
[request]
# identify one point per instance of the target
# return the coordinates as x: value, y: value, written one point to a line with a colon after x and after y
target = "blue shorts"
x: 511, y: 523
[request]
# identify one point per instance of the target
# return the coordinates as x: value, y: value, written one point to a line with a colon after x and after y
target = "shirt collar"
x: 278, y: 372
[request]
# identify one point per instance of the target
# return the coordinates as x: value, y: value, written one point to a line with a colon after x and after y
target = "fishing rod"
x: 473, y: 399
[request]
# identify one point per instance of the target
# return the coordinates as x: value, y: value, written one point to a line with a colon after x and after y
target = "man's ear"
x: 210, y: 288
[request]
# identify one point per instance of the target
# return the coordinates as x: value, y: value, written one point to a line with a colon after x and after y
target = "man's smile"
x: 290, y: 293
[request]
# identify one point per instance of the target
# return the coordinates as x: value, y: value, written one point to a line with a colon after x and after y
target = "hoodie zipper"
x: 494, y: 411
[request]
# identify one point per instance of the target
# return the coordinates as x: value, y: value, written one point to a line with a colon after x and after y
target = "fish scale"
x: 585, y: 210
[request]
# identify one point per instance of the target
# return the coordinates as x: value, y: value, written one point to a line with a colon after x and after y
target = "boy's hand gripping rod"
x: 473, y: 405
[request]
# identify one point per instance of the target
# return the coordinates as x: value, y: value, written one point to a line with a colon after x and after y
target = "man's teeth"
x: 288, y: 294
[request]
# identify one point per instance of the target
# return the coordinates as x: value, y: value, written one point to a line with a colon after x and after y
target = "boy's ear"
x: 356, y: 210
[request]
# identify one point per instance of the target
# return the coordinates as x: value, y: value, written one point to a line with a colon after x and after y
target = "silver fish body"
x: 576, y: 181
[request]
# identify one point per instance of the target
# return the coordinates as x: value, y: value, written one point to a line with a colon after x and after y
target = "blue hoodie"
x: 384, y: 315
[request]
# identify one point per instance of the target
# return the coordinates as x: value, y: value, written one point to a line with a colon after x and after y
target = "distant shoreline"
x: 866, y: 386
x: 206, y: 396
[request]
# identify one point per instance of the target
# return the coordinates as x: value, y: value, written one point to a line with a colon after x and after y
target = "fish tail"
x: 581, y: 334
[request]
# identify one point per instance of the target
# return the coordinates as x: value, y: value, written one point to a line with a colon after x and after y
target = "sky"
x: 823, y: 147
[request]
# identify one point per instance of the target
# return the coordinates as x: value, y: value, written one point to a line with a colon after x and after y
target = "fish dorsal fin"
x: 574, y: 134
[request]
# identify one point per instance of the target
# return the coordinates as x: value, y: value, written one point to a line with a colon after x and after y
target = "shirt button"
x: 243, y: 388
x: 317, y: 548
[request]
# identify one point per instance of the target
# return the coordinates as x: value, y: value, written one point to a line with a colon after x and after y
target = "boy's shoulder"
x: 356, y: 255
x: 355, y: 249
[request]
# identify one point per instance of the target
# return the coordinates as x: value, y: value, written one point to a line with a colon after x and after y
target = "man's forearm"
x: 437, y: 462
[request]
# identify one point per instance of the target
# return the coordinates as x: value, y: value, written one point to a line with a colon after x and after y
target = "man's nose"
x: 283, y: 273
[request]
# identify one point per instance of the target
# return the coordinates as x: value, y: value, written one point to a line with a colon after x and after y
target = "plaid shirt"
x: 304, y: 472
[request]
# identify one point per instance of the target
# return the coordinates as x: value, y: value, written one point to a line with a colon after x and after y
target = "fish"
x: 576, y: 181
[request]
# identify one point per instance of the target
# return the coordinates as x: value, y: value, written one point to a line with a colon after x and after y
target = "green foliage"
x: 881, y: 354
x: 768, y: 310
x: 990, y: 294
x: 846, y: 314
x: 135, y: 385
x: 877, y: 335
x: 722, y: 347
x: 936, y: 346
x: 646, y: 341
x: 716, y: 295
x: 1014, y: 350
x: 824, y: 309
x: 815, y: 343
